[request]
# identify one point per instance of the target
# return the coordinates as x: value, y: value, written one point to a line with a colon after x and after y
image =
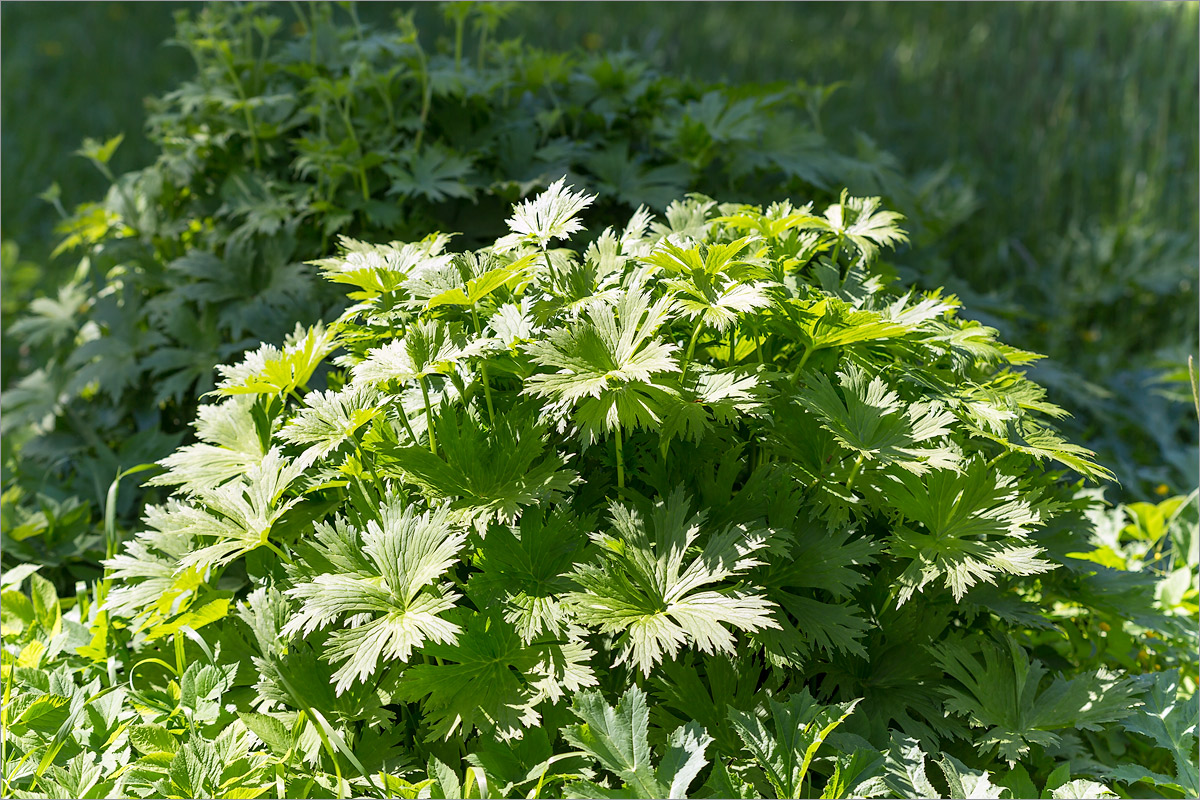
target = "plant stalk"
x: 428, y: 416
x: 487, y: 384
x: 687, y: 358
x: 858, y: 462
x: 620, y: 459
x: 808, y: 351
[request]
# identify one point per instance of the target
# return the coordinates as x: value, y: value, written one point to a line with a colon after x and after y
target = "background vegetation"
x: 1069, y: 128
x: 1044, y: 159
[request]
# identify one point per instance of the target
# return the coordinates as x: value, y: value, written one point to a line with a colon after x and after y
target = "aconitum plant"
x: 707, y: 508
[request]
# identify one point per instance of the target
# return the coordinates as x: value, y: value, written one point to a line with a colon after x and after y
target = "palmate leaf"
x: 426, y: 349
x: 50, y: 322
x: 487, y: 474
x: 330, y: 418
x: 527, y: 569
x: 871, y: 420
x: 628, y: 178
x: 553, y: 214
x: 991, y: 406
x: 860, y: 220
x: 435, y: 173
x: 826, y: 619
x: 709, y: 260
x: 964, y: 782
x: 380, y: 269
x: 904, y: 774
x: 290, y: 674
x: 386, y: 591
x: 479, y: 277
x: 1005, y: 694
x: 238, y: 515
x: 493, y: 681
x: 703, y: 689
x: 618, y: 739
x: 270, y: 370
x: 800, y: 727
x: 831, y: 322
x: 714, y: 283
x: 722, y: 397
x: 775, y: 223
x: 229, y: 446
x: 976, y: 526
x: 514, y: 323
x: 1041, y: 442
x: 1082, y: 789
x: 584, y: 285
x: 685, y: 219
x: 647, y: 591
x: 111, y: 361
x: 856, y: 774
x: 1172, y: 724
x: 34, y: 401
x: 718, y: 301
x: 145, y: 573
x: 606, y: 365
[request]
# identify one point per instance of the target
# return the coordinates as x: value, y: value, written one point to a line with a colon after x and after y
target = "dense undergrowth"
x: 285, y: 140
x: 716, y: 500
x: 709, y: 508
x: 1081, y: 237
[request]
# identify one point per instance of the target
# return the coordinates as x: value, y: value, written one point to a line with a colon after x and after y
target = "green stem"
x: 858, y: 462
x: 487, y: 395
x: 385, y: 96
x: 299, y: 12
x: 550, y: 266
x: 404, y: 421
x: 808, y: 351
x: 837, y: 250
x: 428, y: 416
x: 237, y: 82
x: 483, y: 41
x: 487, y: 384
x: 426, y: 96
x: 732, y: 344
x: 687, y: 358
x: 286, y: 559
x: 620, y: 459
x: 362, y: 172
x: 362, y: 489
x: 358, y: 31
x: 358, y: 450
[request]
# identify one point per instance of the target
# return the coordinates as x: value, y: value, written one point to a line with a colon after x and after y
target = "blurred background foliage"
x: 1063, y: 135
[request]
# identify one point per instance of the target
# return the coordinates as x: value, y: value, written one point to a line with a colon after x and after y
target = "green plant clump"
x: 289, y: 136
x: 710, y: 507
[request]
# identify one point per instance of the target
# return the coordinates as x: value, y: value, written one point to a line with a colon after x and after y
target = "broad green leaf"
x: 645, y: 589
x: 152, y: 738
x: 617, y: 738
x: 493, y: 681
x: 387, y: 591
x: 1171, y: 723
x: 1005, y: 693
x: 799, y: 728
